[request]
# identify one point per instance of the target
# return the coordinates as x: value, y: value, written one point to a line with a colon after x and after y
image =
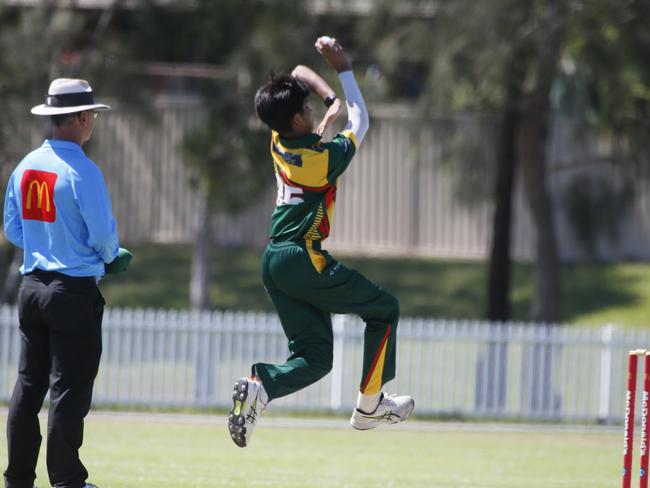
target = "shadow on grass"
x: 159, y: 277
x: 428, y: 287
x: 599, y: 287
x: 587, y: 289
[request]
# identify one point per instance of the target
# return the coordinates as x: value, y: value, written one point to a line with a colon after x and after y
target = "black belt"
x: 55, y: 275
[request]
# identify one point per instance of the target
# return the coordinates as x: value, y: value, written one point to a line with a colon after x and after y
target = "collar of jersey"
x: 60, y: 144
x: 300, y: 142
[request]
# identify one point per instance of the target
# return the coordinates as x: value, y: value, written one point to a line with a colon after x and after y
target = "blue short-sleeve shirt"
x: 57, y: 208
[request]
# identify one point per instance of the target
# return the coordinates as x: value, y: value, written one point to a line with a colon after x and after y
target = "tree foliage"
x: 606, y: 60
x: 444, y: 57
x: 485, y: 56
x: 244, y: 40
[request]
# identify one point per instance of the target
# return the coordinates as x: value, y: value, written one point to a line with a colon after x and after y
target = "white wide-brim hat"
x: 67, y: 96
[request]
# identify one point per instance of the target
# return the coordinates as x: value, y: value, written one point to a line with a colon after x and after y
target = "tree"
x: 532, y: 139
x: 243, y: 41
x: 478, y: 57
x: 499, y: 270
x: 607, y: 51
x: 492, y: 56
x: 233, y: 172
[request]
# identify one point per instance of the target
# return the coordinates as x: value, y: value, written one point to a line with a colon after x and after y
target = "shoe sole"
x: 358, y: 426
x: 236, y: 420
x: 370, y: 426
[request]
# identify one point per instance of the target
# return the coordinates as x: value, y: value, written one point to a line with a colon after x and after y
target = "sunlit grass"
x: 592, y: 293
x: 141, y: 454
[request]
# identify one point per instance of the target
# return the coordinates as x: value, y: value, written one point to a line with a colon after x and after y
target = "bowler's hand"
x: 120, y: 263
x: 330, y: 116
x: 333, y: 53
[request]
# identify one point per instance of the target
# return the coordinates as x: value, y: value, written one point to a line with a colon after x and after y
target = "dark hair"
x: 63, y: 119
x: 279, y: 100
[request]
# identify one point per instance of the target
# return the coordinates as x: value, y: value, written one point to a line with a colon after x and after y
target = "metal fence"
x: 452, y: 368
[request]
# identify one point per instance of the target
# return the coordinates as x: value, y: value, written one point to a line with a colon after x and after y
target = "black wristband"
x: 329, y: 100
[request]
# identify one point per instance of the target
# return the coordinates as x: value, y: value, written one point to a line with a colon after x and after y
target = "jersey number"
x: 287, y: 194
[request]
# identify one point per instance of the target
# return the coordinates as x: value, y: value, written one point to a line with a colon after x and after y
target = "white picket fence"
x: 155, y: 358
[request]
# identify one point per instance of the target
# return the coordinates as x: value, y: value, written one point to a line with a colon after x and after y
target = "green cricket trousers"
x: 307, y: 285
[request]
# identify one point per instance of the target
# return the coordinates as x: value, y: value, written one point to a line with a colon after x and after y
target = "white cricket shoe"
x: 248, y: 404
x: 391, y: 410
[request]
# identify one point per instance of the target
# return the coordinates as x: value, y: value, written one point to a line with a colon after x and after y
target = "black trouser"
x: 61, y: 344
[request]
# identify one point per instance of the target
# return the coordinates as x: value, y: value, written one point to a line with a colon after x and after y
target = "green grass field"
x: 593, y: 293
x: 136, y: 452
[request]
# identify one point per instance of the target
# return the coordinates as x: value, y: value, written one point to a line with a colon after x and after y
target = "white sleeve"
x: 358, y: 121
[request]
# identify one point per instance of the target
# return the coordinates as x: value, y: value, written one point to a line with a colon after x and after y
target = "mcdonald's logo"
x: 37, y: 191
x: 41, y: 188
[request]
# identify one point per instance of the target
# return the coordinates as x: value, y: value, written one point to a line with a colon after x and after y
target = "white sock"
x: 368, y: 403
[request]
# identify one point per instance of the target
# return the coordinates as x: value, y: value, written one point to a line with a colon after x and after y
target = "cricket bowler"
x: 305, y: 283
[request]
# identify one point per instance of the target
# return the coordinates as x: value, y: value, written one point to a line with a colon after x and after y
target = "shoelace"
x: 256, y: 409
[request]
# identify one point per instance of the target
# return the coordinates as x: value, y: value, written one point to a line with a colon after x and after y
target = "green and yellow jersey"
x: 307, y: 170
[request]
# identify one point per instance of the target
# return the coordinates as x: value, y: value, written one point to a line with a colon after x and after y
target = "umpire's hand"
x: 120, y: 263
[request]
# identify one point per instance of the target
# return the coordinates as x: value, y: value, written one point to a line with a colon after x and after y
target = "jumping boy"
x: 305, y: 283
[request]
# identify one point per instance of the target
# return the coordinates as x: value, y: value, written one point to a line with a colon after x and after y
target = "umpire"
x: 57, y: 208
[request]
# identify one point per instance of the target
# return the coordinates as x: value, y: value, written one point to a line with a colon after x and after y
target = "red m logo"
x: 37, y: 191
